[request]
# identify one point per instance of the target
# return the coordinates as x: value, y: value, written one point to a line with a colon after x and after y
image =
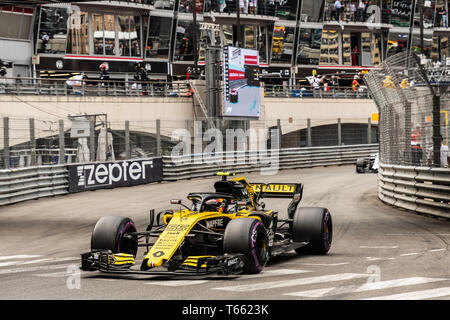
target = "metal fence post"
x: 127, y: 140
x: 279, y: 131
x: 158, y: 137
x: 92, y: 139
x: 308, y: 121
x: 32, y: 142
x: 339, y: 127
x: 369, y: 130
x: 62, y: 152
x: 6, y: 143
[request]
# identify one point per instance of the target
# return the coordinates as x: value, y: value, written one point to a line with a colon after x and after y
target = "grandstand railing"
x: 131, y: 88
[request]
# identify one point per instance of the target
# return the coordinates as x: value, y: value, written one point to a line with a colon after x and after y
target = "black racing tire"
x: 112, y: 233
x: 360, y: 164
x: 315, y: 226
x: 247, y: 236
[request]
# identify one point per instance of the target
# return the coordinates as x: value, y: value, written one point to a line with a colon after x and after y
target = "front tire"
x: 315, y: 226
x: 114, y: 233
x: 247, y: 236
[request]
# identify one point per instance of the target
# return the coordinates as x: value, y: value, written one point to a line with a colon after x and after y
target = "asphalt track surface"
x: 378, y: 252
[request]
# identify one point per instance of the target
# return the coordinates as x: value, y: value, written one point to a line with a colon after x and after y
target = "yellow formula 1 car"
x: 227, y: 231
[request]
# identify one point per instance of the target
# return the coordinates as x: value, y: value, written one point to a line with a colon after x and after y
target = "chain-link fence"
x: 27, y: 142
x: 413, y: 101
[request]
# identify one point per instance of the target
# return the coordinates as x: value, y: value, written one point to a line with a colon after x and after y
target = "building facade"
x: 293, y: 37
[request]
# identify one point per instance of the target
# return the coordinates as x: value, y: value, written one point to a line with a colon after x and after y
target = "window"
x: 185, y: 6
x: 400, y: 12
x: 158, y: 41
x: 104, y: 35
x: 129, y: 36
x: 287, y: 9
x: 15, y: 22
x: 78, y: 40
x: 184, y: 43
x: 370, y: 49
x: 329, y: 50
x: 308, y: 51
x: 52, y: 30
x: 397, y: 43
x: 161, y: 4
x: 262, y: 43
x: 282, y: 44
x: 250, y: 38
x: 312, y: 10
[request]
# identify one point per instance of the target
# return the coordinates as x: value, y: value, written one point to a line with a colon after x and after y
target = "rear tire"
x: 113, y: 233
x: 247, y: 236
x: 313, y: 225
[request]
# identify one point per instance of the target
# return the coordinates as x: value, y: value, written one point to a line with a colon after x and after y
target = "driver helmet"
x: 218, y: 205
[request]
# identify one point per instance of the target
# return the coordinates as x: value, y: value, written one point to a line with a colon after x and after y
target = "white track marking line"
x: 379, y: 258
x: 324, y: 264
x: 22, y: 256
x: 437, y: 250
x: 33, y: 269
x: 273, y: 273
x: 318, y: 293
x: 264, y: 274
x: 176, y: 283
x: 15, y: 263
x: 416, y: 295
x: 410, y: 254
x: 60, y: 274
x: 379, y: 247
x: 293, y: 282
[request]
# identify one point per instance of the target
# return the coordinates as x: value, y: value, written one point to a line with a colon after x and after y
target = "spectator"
x: 352, y: 12
x: 416, y: 148
x: 444, y: 155
x: 337, y: 10
x: 315, y: 84
x: 18, y: 79
x: 76, y: 81
x: 355, y: 84
x: 252, y: 6
x: 361, y: 11
x: 444, y: 18
x: 355, y: 56
x: 404, y: 83
x: 388, y: 83
x: 243, y: 6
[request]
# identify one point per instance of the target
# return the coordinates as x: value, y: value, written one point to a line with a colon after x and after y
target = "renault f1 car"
x: 368, y: 164
x: 224, y: 232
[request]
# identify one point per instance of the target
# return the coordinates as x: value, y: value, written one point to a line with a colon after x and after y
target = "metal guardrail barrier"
x: 33, y: 182
x: 196, y: 166
x: 420, y: 189
x: 23, y: 184
x: 322, y: 92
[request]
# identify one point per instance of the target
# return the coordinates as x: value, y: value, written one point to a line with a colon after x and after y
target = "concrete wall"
x: 143, y: 111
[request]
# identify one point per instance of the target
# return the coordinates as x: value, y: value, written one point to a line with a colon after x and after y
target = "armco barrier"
x: 420, y: 189
x: 201, y: 165
x: 32, y: 182
x: 35, y: 182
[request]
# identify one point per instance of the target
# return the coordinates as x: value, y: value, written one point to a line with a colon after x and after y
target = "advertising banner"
x: 241, y: 82
x: 105, y: 175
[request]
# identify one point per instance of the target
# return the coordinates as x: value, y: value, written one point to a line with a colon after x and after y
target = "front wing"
x: 106, y: 261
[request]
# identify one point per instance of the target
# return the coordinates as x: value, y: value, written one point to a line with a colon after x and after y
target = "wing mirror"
x: 263, y: 205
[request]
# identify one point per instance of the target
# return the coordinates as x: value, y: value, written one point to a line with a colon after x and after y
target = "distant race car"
x: 368, y: 164
x: 223, y: 232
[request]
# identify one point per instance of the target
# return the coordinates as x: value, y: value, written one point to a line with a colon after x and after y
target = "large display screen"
x: 241, y: 82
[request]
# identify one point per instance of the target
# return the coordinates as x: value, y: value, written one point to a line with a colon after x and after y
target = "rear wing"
x: 280, y: 190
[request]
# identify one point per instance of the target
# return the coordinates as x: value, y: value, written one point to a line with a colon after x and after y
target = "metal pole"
x: 92, y: 139
x: 158, y: 137
x: 279, y: 131
x: 308, y: 121
x: 127, y: 140
x: 436, y: 131
x: 369, y: 130
x: 32, y: 142
x: 6, y: 143
x: 62, y: 151
x: 339, y: 125
x: 238, y: 24
x: 194, y: 37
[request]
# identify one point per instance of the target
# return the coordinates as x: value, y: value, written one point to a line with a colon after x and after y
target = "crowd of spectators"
x: 349, y: 11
